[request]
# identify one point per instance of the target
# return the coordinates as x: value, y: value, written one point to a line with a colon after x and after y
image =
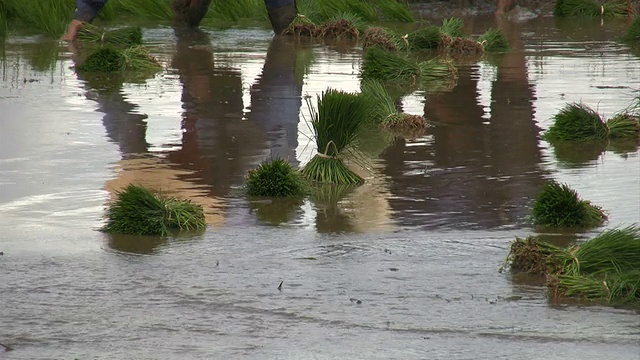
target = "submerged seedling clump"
x: 120, y: 37
x: 111, y: 59
x: 275, y: 178
x: 137, y: 210
x: 558, y: 205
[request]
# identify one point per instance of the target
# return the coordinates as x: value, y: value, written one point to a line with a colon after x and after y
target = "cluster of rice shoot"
x: 397, y: 10
x: 110, y: 59
x: 302, y: 26
x: 535, y: 257
x: 576, y: 122
x: 493, y: 40
x: 633, y: 33
x: 590, y: 8
x: 149, y: 9
x: 339, y: 28
x: 384, y: 65
x: 557, y: 205
x: 453, y: 27
x: 382, y: 109
x: 275, y: 178
x: 624, y: 126
x: 615, y: 288
x: 427, y: 37
x: 138, y: 211
x: 335, y: 125
x: 379, y: 36
x: 128, y: 36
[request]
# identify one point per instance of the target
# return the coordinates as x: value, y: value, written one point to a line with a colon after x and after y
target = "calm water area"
x: 403, y: 267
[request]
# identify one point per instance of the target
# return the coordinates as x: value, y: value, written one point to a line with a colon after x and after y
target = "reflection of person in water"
x: 485, y: 167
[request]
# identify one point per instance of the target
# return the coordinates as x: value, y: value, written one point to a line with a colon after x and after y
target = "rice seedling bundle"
x: 136, y: 210
x: 624, y: 126
x: 382, y: 109
x: 396, y: 10
x: 111, y: 59
x: 633, y: 33
x: 335, y: 125
x: 427, y: 37
x: 384, y: 65
x: 379, y: 36
x: 576, y: 122
x: 48, y: 16
x: 616, y: 288
x: 534, y: 256
x: 464, y: 47
x: 339, y: 29
x: 558, y: 205
x: 128, y: 36
x: 275, y: 178
x: 493, y: 40
x: 615, y: 250
x: 565, y: 8
x: 453, y: 27
x: 302, y: 26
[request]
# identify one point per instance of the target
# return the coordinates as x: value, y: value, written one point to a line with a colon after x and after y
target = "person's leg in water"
x: 86, y: 11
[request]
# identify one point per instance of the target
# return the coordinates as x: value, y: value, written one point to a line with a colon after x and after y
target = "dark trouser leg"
x: 281, y: 13
x: 189, y: 13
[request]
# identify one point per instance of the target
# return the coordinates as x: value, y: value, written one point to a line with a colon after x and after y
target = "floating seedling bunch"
x: 591, y: 8
x: 275, y: 178
x: 579, y: 122
x: 493, y: 40
x: 335, y: 124
x: 136, y: 210
x: 111, y: 59
x: 604, y: 269
x: 557, y: 205
x: 128, y: 36
x: 379, y: 36
x: 302, y: 26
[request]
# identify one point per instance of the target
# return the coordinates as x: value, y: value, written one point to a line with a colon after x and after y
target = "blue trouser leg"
x: 87, y: 10
x: 281, y: 13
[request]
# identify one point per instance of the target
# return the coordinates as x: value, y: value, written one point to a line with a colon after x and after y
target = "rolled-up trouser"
x: 87, y: 10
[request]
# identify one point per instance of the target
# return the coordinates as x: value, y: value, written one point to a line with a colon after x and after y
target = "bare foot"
x: 72, y: 30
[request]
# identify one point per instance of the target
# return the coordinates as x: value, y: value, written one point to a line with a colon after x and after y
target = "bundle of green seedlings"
x: 578, y: 122
x: 339, y: 28
x: 302, y: 26
x: 384, y: 65
x: 432, y: 37
x: 137, y: 210
x: 632, y: 35
x: 111, y: 59
x: 604, y: 269
x: 557, y: 205
x: 50, y: 17
x: 591, y: 8
x: 335, y: 124
x: 383, y: 110
x: 379, y: 36
x: 493, y: 40
x: 275, y: 178
x: 128, y: 36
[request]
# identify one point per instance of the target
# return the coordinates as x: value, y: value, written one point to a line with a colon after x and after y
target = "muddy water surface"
x: 404, y: 267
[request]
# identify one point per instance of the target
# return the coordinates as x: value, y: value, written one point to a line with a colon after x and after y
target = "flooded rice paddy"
x: 404, y: 267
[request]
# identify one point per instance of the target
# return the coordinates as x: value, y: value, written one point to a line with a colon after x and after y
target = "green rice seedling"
x: 339, y: 28
x: 3, y: 21
x: 234, y: 10
x: 613, y: 288
x: 335, y: 125
x: 453, y: 27
x: 534, y: 256
x: 576, y: 122
x: 564, y: 8
x: 557, y: 205
x: 302, y: 26
x: 326, y: 9
x: 617, y: 8
x: 275, y: 178
x: 624, y: 126
x: 384, y: 65
x: 633, y: 33
x: 383, y: 109
x: 379, y: 36
x: 396, y: 10
x: 614, y: 250
x: 494, y: 40
x: 425, y: 38
x: 136, y: 210
x: 136, y: 61
x: 47, y: 16
x: 147, y: 9
x: 128, y: 36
